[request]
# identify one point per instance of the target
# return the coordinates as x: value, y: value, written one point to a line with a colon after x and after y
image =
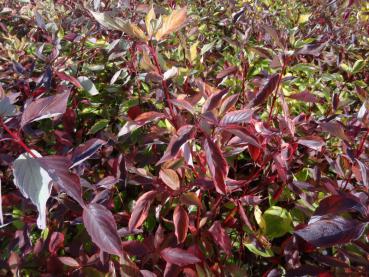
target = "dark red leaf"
x: 101, y: 226
x: 178, y: 256
x: 330, y: 231
x: 221, y: 237
x: 228, y: 103
x: 217, y: 165
x: 46, y: 107
x: 68, y: 78
x: 56, y: 242
x: 337, y: 204
x: 141, y: 210
x: 184, y: 134
x: 181, y: 221
x: 267, y: 90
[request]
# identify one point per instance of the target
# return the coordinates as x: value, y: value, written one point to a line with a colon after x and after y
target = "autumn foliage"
x: 184, y: 138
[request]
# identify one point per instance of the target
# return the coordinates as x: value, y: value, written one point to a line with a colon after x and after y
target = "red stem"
x: 17, y: 139
x: 277, y: 89
x: 164, y: 83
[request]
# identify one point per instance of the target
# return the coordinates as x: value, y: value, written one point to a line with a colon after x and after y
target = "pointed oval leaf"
x: 46, y: 107
x: 181, y: 221
x: 179, y: 256
x: 172, y: 23
x: 88, y: 85
x: 221, y: 237
x: 237, y: 117
x: 217, y: 165
x: 268, y: 89
x: 100, y: 225
x: 330, y: 231
x: 34, y: 183
x: 141, y: 210
x: 170, y: 178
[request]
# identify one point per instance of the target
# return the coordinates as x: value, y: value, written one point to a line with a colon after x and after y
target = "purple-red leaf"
x: 267, y: 90
x: 313, y: 142
x: 330, y: 231
x: 170, y: 178
x: 336, y: 204
x: 86, y: 150
x: 306, y: 96
x: 221, y: 237
x: 141, y: 210
x: 101, y: 226
x: 184, y: 134
x: 217, y: 165
x: 237, y: 117
x: 46, y: 107
x: 179, y: 256
x: 181, y: 221
x: 58, y: 169
x: 213, y: 100
x: 56, y: 242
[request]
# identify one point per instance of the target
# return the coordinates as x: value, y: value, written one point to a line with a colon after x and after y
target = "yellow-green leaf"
x: 172, y: 23
x: 149, y: 17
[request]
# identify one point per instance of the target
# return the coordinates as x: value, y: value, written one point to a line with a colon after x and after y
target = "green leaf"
x: 99, y: 125
x: 88, y: 85
x: 278, y: 222
x: 267, y: 253
x: 346, y: 68
x: 6, y: 107
x: 358, y: 66
x: 207, y: 47
x: 33, y: 182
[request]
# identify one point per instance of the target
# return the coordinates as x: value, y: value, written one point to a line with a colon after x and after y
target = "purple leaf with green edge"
x: 237, y: 117
x: 329, y: 231
x: 46, y: 107
x: 101, y: 227
x: 264, y: 93
x: 86, y: 150
x: 221, y: 237
x: 141, y: 209
x: 217, y: 165
x: 179, y: 256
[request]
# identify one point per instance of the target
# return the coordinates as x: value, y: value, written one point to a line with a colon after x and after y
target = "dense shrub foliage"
x: 184, y: 138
